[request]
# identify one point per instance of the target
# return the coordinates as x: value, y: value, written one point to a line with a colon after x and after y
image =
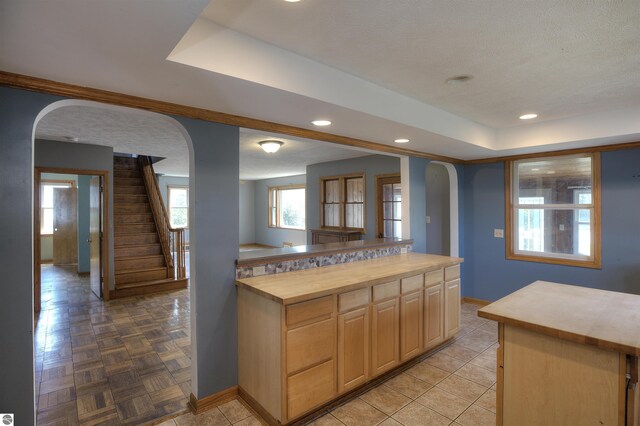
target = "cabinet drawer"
x: 414, y: 283
x: 310, y: 344
x: 304, y: 311
x: 451, y: 273
x: 354, y: 299
x: 310, y: 388
x: 386, y: 290
x: 434, y: 277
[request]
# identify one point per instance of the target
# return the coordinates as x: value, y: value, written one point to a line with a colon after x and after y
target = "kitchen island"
x: 307, y: 337
x: 568, y: 355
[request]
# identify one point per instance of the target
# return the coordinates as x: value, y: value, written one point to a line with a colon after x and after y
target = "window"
x: 287, y: 207
x: 178, y: 206
x: 47, y: 202
x: 553, y: 212
x: 389, y: 195
x: 342, y: 201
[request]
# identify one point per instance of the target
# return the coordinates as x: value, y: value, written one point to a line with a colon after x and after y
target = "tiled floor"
x: 454, y: 386
x: 127, y: 361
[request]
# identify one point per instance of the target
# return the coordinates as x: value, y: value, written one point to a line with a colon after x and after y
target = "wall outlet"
x: 498, y: 233
x: 428, y: 219
x: 403, y: 250
x: 562, y: 227
x: 259, y: 270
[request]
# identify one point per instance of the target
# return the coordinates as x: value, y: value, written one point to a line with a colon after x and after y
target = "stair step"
x: 148, y: 287
x: 128, y: 250
x: 127, y: 173
x: 138, y: 262
x: 125, y: 161
x: 127, y: 181
x: 134, y: 228
x: 132, y: 218
x: 146, y: 283
x: 123, y: 208
x: 138, y: 275
x: 124, y: 239
x: 130, y: 198
x: 129, y: 190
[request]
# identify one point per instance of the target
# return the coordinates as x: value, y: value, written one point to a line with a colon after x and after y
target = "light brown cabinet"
x: 385, y: 336
x: 410, y: 325
x: 451, y: 307
x: 294, y: 358
x: 353, y: 349
x: 433, y: 315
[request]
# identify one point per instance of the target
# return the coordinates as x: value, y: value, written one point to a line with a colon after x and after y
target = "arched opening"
x: 134, y: 347
x: 442, y: 209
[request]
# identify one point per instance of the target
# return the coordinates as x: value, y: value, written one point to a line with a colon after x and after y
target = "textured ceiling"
x: 137, y: 132
x: 387, y: 62
x: 557, y: 58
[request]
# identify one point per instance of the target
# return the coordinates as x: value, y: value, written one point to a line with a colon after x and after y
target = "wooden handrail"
x: 171, y: 239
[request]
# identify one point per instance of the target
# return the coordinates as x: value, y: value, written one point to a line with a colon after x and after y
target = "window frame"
x: 511, y: 236
x: 342, y: 186
x: 169, y: 188
x: 277, y: 206
x: 54, y: 183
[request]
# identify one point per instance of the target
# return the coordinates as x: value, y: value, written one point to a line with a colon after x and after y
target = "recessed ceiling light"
x: 458, y: 79
x: 528, y: 116
x: 321, y: 123
x: 401, y: 140
x: 71, y: 138
x: 551, y: 172
x: 535, y: 170
x: 292, y: 1
x: 270, y: 146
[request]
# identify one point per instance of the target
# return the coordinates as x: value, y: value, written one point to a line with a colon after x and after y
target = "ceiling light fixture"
x: 321, y: 123
x: 270, y: 146
x: 458, y: 79
x: 292, y: 1
x: 401, y: 140
x: 528, y: 116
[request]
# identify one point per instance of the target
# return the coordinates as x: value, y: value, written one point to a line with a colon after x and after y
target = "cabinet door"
x: 353, y: 349
x: 410, y: 325
x: 433, y: 315
x: 452, y: 307
x: 385, y: 336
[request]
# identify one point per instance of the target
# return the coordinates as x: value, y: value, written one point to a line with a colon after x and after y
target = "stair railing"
x: 171, y: 239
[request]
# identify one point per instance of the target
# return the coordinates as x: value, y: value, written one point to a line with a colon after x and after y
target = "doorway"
x: 70, y: 226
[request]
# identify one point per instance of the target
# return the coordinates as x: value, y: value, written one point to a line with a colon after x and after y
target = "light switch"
x: 428, y: 219
x: 498, y: 233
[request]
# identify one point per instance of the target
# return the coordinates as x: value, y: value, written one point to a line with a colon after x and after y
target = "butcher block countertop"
x: 298, y: 286
x: 606, y: 319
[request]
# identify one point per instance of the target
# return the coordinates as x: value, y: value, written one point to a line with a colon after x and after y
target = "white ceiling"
x: 560, y: 58
x: 292, y: 159
x: 375, y: 67
x: 139, y: 132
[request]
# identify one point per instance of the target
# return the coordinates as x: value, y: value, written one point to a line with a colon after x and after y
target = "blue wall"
x: 489, y: 276
x: 371, y: 165
x: 214, y: 166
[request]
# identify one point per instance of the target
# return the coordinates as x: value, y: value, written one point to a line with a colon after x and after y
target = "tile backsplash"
x: 276, y: 267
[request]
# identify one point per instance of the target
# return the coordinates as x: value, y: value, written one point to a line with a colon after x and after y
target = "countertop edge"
x: 562, y: 334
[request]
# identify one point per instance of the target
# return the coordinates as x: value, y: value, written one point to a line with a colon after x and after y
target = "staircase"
x: 145, y: 245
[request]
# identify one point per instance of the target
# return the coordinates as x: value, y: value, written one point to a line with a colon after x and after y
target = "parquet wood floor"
x: 126, y: 361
